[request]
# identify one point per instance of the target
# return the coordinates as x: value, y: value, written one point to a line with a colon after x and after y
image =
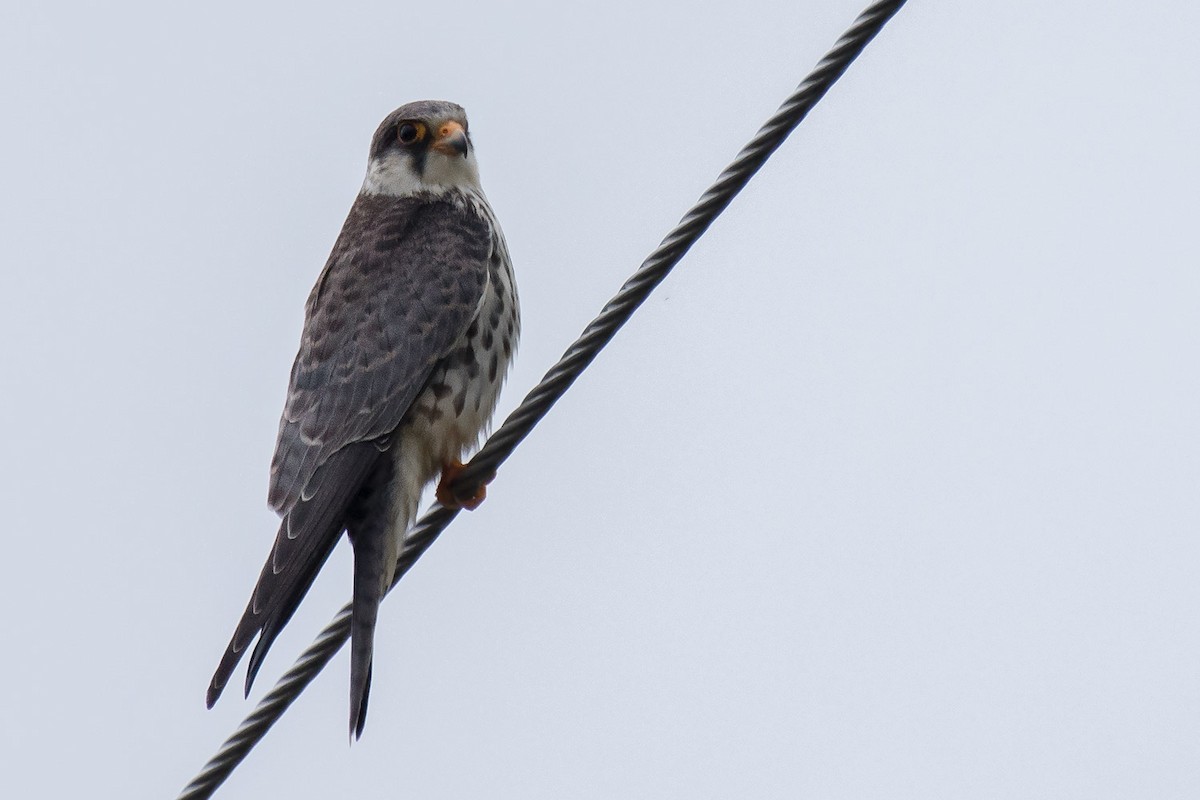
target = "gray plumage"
x: 407, y: 336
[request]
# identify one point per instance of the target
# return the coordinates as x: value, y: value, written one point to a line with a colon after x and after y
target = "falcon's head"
x: 422, y: 147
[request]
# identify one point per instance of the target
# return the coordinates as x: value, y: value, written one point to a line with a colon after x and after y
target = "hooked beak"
x: 451, y: 140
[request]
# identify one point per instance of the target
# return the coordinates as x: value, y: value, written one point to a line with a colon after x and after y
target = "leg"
x: 449, y: 499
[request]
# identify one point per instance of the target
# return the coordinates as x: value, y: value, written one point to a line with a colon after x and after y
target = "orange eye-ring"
x: 410, y: 132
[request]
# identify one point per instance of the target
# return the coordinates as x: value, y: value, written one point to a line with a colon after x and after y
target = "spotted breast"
x: 456, y: 405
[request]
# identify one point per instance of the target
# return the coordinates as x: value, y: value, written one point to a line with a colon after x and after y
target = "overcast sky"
x: 891, y: 490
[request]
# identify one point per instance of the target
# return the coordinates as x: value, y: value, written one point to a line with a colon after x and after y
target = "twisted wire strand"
x: 501, y: 444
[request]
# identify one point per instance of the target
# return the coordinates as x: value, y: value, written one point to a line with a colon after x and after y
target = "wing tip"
x: 220, y: 678
x: 256, y: 659
x: 213, y: 694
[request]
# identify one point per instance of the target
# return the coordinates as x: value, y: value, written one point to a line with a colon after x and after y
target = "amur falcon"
x: 407, y: 337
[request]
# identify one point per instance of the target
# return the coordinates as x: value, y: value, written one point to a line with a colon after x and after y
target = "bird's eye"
x: 409, y: 132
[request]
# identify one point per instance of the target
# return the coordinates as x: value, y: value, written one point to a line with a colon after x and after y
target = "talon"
x: 452, y: 500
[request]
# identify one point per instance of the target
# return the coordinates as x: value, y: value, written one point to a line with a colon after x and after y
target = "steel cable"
x: 501, y: 444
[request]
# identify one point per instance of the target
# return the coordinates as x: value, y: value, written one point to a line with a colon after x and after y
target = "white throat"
x: 393, y: 174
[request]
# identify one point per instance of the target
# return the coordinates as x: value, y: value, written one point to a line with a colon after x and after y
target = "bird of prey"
x: 407, y: 337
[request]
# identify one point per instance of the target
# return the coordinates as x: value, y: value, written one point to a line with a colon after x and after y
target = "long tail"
x: 369, y: 529
x: 306, y: 537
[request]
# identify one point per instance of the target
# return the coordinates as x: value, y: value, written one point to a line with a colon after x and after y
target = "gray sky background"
x: 889, y: 491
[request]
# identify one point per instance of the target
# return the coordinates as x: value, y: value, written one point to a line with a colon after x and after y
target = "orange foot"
x: 452, y: 500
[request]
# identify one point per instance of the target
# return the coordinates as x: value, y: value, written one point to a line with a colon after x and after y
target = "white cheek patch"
x: 391, y: 175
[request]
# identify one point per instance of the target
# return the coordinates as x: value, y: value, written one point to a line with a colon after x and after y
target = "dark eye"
x: 408, y: 133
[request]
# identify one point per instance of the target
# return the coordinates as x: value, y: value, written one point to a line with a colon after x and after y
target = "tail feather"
x: 368, y: 591
x: 358, y: 721
x: 368, y: 529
